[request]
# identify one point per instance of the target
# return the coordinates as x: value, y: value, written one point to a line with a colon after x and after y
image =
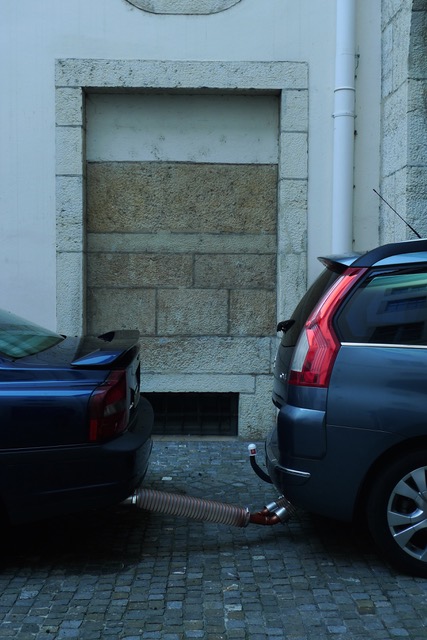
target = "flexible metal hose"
x: 190, y: 507
x: 209, y: 510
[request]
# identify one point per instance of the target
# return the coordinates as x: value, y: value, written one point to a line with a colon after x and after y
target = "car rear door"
x: 379, y: 381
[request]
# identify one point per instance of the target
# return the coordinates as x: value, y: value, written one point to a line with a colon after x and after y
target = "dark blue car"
x: 75, y: 432
x: 351, y: 389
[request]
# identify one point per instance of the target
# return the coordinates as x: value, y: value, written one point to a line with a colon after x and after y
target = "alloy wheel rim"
x: 407, y: 513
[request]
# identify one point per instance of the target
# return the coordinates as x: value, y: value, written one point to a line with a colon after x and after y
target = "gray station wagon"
x: 351, y: 389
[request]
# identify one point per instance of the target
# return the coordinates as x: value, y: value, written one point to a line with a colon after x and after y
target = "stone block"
x: 69, y: 151
x: 257, y: 414
x: 70, y: 293
x: 393, y: 9
x: 80, y: 72
x: 166, y: 242
x: 197, y: 383
x: 191, y: 312
x: 401, y: 39
x: 69, y: 204
x: 417, y: 134
x: 417, y: 198
x: 394, y: 150
x: 252, y: 312
x: 292, y: 283
x: 148, y: 197
x: 387, y: 60
x: 111, y: 309
x: 292, y: 226
x: 139, y: 270
x: 295, y: 150
x: 69, y: 106
x: 294, y: 110
x: 206, y: 355
x: 392, y: 229
x: 235, y: 271
x: 417, y: 52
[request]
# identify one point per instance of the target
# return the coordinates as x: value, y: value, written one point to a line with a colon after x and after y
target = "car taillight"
x: 318, y: 344
x: 109, y: 408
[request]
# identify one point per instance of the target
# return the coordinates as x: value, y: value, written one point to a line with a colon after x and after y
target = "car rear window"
x: 307, y: 304
x: 387, y: 308
x: 19, y: 337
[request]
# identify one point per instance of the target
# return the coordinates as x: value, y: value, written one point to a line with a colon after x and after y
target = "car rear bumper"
x: 38, y: 483
x: 325, y: 479
x: 305, y: 484
x: 280, y: 474
x: 297, y: 462
x: 300, y: 434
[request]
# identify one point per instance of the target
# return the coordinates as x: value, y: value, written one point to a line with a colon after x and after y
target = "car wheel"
x: 397, y: 512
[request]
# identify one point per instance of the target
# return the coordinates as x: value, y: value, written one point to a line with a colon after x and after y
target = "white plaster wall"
x: 33, y: 35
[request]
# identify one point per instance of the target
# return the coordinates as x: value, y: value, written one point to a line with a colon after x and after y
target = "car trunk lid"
x: 107, y: 350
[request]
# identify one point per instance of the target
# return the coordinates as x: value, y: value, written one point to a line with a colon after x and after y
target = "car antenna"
x: 398, y: 214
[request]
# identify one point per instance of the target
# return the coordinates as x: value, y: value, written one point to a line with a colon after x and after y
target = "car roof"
x: 405, y: 252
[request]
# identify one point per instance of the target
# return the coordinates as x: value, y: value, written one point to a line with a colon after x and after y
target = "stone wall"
x: 181, y: 249
x: 186, y: 253
x: 417, y: 119
x: 404, y: 131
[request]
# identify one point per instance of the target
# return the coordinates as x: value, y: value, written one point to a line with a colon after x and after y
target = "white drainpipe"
x: 342, y: 179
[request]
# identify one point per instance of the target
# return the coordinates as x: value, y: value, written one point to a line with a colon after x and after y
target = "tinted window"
x: 388, y: 308
x: 19, y: 337
x: 307, y: 304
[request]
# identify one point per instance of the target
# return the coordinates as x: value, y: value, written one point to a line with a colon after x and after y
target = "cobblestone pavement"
x: 131, y: 575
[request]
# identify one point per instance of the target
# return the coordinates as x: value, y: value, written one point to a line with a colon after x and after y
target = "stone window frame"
x: 188, y: 7
x: 74, y: 78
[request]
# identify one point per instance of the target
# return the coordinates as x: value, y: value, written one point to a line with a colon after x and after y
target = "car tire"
x: 396, y: 512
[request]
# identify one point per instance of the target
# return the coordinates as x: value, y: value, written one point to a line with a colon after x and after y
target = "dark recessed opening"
x: 198, y: 414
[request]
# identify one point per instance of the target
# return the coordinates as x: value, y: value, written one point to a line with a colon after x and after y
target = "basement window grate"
x: 195, y: 414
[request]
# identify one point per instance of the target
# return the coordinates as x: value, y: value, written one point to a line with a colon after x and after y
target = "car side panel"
x: 379, y: 388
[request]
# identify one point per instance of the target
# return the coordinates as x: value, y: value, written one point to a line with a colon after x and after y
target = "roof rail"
x: 386, y: 250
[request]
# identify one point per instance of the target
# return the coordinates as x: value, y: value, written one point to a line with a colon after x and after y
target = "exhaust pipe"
x: 210, y: 510
x: 279, y: 511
